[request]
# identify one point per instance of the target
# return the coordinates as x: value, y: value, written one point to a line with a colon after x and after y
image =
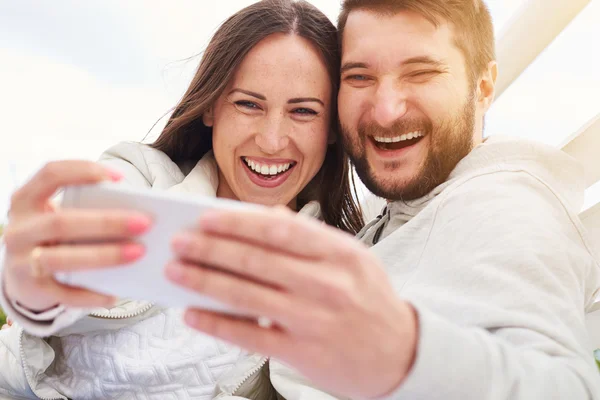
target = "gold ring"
x: 35, y: 266
x: 264, y: 322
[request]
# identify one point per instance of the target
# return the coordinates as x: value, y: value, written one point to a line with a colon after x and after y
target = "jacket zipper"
x: 124, y: 316
x: 249, y: 375
x: 26, y: 370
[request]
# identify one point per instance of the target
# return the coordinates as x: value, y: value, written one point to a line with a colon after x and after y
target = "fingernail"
x: 111, y: 301
x: 113, y: 175
x: 174, y: 272
x: 209, y: 220
x: 181, y: 243
x: 138, y: 225
x: 191, y: 318
x: 132, y: 252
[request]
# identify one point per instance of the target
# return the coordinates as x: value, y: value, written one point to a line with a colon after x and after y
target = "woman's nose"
x: 273, y: 136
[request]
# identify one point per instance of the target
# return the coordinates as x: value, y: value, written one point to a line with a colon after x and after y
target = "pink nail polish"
x: 138, y: 225
x: 132, y: 252
x: 114, y: 176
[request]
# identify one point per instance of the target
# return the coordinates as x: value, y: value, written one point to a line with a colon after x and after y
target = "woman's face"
x: 272, y: 122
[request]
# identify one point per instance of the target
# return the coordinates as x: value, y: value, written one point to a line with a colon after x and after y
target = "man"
x: 479, y: 272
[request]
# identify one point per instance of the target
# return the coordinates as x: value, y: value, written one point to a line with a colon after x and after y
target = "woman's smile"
x: 268, y: 173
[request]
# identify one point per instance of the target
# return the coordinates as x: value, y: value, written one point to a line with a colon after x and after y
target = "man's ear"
x: 208, y: 118
x: 486, y: 88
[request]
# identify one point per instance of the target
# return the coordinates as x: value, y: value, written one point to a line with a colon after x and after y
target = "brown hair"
x: 186, y: 138
x: 471, y: 20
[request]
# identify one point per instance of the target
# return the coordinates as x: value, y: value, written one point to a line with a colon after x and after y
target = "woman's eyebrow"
x: 306, y: 99
x: 249, y: 93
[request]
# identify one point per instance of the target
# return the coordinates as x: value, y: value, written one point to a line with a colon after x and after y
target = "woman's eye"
x: 247, y: 104
x: 304, y: 111
x: 359, y: 78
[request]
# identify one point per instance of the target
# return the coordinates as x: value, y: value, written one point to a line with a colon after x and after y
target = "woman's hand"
x: 41, y: 239
x: 8, y: 324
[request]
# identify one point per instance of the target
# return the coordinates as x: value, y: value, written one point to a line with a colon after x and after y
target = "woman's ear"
x: 208, y: 118
x: 332, y: 138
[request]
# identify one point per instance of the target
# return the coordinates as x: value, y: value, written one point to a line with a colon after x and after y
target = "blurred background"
x: 77, y: 77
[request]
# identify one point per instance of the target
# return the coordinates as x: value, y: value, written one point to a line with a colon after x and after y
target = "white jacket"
x: 134, y: 350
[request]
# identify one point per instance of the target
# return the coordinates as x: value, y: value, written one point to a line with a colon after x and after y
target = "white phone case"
x: 144, y: 279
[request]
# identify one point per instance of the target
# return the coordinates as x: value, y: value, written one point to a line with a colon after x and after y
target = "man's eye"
x: 304, y: 111
x: 247, y: 104
x: 418, y: 74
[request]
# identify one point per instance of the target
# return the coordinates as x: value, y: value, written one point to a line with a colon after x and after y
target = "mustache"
x: 399, y: 127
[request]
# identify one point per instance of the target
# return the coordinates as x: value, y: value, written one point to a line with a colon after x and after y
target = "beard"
x: 449, y: 142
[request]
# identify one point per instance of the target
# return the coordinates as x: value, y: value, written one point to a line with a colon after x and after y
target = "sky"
x: 78, y: 77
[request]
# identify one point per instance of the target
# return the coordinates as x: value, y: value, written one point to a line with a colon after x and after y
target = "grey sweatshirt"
x: 500, y: 271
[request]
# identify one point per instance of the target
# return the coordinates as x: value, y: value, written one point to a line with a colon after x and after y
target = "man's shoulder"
x: 511, y: 186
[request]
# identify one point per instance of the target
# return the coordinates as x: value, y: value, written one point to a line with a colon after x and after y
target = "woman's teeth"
x: 267, y: 169
x: 401, y: 138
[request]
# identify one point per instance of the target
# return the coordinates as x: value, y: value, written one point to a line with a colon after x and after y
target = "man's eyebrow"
x: 306, y: 99
x: 413, y: 60
x: 249, y: 93
x: 424, y: 60
x: 353, y: 64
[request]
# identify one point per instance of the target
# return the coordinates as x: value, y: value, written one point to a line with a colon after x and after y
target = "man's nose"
x: 389, y: 104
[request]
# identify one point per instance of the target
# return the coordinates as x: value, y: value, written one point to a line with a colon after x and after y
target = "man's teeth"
x: 401, y: 138
x: 267, y: 169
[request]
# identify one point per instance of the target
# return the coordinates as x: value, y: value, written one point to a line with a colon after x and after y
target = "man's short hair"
x: 471, y: 20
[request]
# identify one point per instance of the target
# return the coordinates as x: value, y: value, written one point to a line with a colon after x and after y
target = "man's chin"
x: 391, y: 186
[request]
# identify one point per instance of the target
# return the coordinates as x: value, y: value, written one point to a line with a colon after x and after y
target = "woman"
x: 257, y: 125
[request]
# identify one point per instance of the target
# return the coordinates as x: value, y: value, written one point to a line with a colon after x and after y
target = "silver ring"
x: 264, y: 322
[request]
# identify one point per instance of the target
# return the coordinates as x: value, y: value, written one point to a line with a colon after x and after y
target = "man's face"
x: 408, y: 109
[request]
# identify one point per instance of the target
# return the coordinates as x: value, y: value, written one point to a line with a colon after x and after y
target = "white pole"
x: 585, y: 147
x: 528, y: 33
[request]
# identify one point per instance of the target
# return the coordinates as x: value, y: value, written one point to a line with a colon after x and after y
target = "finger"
x: 71, y: 296
x: 280, y: 230
x: 76, y: 225
x: 9, y: 321
x: 57, y: 293
x: 248, y: 260
x: 246, y: 334
x: 242, y: 295
x: 5, y: 326
x: 65, y: 258
x: 307, y: 278
x: 54, y: 175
